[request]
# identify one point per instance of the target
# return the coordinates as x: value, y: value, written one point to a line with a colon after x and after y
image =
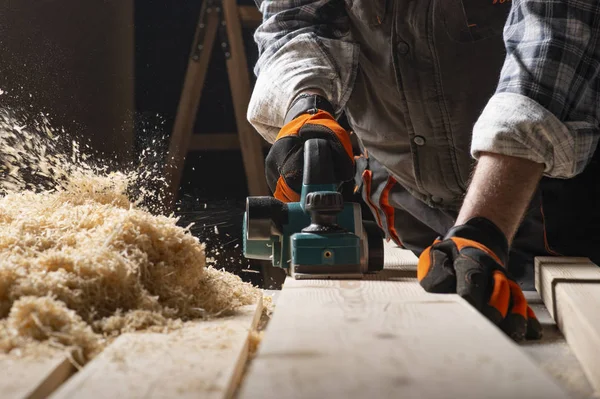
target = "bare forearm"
x: 500, y: 191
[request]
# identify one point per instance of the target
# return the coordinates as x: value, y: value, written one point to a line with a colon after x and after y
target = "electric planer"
x: 321, y: 236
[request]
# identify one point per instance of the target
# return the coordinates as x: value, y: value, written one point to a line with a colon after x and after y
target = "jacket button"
x: 419, y: 140
x: 402, y: 48
x: 436, y: 199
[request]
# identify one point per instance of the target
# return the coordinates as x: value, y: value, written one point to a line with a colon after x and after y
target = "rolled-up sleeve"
x: 546, y: 106
x: 302, y: 45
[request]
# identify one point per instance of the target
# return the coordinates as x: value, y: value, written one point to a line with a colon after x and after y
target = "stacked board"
x: 205, y: 359
x: 570, y: 288
x: 386, y: 338
x: 381, y: 337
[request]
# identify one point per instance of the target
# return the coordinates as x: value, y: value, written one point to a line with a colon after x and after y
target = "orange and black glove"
x: 470, y: 261
x: 310, y: 116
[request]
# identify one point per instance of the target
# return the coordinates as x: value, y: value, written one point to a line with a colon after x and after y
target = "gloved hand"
x: 285, y: 161
x: 470, y: 261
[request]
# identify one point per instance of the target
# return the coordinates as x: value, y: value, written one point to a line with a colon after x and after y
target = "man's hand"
x: 470, y: 261
x: 285, y: 161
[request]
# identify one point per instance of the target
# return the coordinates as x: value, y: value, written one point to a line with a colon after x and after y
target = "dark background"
x: 73, y: 60
x: 102, y: 68
x: 164, y: 31
x: 213, y: 188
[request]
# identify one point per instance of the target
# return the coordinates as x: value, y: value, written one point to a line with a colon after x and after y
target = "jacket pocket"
x: 469, y: 21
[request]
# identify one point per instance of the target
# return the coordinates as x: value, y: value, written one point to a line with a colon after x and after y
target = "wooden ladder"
x: 225, y: 17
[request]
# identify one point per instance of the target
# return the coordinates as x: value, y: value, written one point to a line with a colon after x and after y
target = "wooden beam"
x: 579, y: 321
x: 250, y: 16
x: 204, y: 360
x: 549, y: 271
x: 251, y: 142
x: 398, y: 258
x: 553, y: 354
x: 217, y: 142
x: 386, y: 339
x: 188, y: 104
x: 570, y: 288
x: 33, y: 378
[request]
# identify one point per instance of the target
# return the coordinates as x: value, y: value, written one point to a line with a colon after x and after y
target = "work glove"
x: 470, y: 261
x: 285, y: 161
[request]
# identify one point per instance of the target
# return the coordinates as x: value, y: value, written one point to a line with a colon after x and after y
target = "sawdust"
x: 82, y: 256
x: 268, y: 305
x: 254, y: 340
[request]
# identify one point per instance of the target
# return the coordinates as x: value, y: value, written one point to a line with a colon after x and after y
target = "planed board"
x: 386, y: 339
x: 571, y: 289
x: 553, y: 354
x: 549, y: 271
x: 399, y: 259
x: 579, y: 321
x: 32, y: 378
x: 204, y: 360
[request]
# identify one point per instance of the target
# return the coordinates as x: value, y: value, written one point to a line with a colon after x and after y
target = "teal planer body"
x: 318, y: 237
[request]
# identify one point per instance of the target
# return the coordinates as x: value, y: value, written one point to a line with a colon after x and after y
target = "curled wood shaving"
x: 82, y: 261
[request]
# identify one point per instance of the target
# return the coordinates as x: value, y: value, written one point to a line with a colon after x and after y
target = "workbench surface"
x: 551, y: 354
x: 378, y: 335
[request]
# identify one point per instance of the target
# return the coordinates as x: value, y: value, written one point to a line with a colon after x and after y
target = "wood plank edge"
x: 545, y: 284
x: 540, y: 261
x: 60, y: 374
x: 54, y: 379
x: 576, y: 328
x: 241, y: 365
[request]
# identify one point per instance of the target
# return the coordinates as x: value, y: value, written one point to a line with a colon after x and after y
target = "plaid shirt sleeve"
x: 546, y: 106
x: 302, y: 44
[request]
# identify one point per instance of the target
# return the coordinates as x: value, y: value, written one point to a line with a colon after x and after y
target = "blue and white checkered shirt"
x: 546, y: 107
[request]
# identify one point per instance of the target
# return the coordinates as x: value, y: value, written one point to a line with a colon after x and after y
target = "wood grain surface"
x: 549, y: 271
x: 203, y: 360
x: 33, y: 378
x: 570, y: 289
x: 578, y: 318
x: 553, y: 353
x: 384, y: 339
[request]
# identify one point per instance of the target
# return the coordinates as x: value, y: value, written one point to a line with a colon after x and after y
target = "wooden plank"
x: 398, y: 258
x: 579, y: 320
x: 571, y: 290
x: 251, y: 143
x: 250, y: 16
x: 384, y: 339
x: 204, y: 360
x: 188, y: 106
x: 33, y: 378
x: 553, y: 354
x: 549, y: 271
x: 216, y: 142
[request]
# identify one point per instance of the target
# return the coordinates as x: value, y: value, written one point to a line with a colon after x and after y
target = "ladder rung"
x: 250, y: 16
x: 215, y: 142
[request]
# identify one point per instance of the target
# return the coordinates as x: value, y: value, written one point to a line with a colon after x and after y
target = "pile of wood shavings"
x: 81, y: 263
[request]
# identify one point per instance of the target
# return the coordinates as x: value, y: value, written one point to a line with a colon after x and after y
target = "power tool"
x: 318, y: 237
